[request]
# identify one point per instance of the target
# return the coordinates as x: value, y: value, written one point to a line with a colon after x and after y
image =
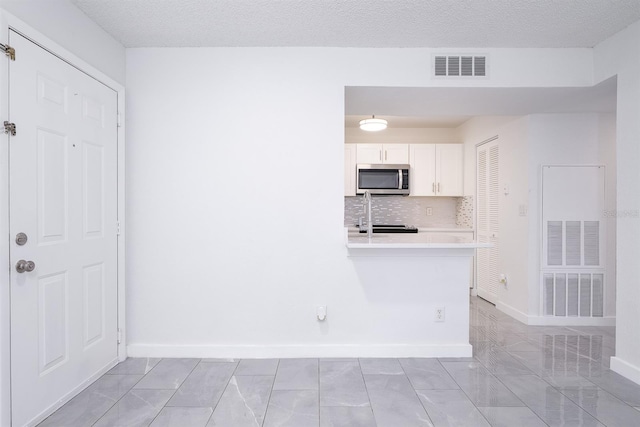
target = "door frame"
x: 10, y: 22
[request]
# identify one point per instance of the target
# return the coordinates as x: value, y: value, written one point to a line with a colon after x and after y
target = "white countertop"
x: 450, y: 229
x: 420, y: 240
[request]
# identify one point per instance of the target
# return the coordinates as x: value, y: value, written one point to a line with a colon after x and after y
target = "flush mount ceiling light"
x: 373, y: 124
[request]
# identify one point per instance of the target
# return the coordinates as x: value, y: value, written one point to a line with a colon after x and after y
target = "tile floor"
x: 518, y: 376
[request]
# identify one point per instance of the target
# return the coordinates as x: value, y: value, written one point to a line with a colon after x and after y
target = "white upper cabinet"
x: 396, y: 154
x: 383, y: 153
x: 449, y: 170
x: 422, y: 176
x: 436, y: 170
x: 350, y: 169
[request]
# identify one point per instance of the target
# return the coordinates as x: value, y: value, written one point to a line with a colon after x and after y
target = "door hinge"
x: 10, y: 128
x: 9, y: 51
x: 119, y: 121
x: 119, y: 335
x: 117, y: 228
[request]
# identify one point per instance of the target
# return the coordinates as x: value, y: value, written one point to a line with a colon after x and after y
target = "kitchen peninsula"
x: 427, y: 276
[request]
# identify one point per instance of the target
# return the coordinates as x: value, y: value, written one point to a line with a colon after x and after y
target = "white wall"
x: 607, y: 156
x: 224, y: 247
x: 66, y: 25
x: 473, y: 132
x: 393, y: 135
x: 620, y: 55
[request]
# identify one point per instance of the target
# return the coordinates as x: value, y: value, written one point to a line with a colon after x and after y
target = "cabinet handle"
x: 385, y: 155
x: 433, y: 188
x: 380, y: 154
x: 438, y: 187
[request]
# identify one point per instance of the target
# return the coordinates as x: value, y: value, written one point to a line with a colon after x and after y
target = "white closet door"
x: 487, y: 211
x: 63, y: 196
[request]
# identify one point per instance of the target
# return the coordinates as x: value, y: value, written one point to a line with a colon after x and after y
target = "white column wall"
x: 620, y: 55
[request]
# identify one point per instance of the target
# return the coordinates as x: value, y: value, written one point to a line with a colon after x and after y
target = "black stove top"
x: 391, y: 228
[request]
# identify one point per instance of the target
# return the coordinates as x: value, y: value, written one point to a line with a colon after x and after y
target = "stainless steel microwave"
x: 382, y: 179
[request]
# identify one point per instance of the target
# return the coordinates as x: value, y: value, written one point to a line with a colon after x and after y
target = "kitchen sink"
x: 393, y: 228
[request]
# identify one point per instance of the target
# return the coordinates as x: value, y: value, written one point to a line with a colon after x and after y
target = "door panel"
x: 51, y: 187
x: 63, y: 195
x: 53, y: 314
x: 94, y: 310
x: 93, y: 192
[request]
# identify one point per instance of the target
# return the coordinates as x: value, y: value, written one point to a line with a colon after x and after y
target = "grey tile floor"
x: 518, y: 376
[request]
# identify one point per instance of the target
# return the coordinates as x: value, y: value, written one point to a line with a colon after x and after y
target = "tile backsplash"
x: 408, y: 211
x: 464, y: 211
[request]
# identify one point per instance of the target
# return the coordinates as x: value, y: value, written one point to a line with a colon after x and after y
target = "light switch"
x: 522, y: 210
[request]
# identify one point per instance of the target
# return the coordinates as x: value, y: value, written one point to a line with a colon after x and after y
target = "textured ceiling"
x: 355, y: 23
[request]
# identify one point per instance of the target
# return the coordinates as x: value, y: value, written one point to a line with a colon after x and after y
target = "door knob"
x: 25, y: 266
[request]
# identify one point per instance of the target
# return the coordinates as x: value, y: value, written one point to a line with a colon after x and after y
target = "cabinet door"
x: 449, y: 170
x: 369, y: 153
x: 395, y: 154
x: 422, y: 175
x: 350, y: 170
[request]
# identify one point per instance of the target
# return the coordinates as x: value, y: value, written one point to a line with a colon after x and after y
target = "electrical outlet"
x: 439, y: 314
x: 429, y: 211
x: 503, y: 279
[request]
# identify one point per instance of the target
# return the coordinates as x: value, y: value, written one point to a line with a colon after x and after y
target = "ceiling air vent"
x: 464, y: 66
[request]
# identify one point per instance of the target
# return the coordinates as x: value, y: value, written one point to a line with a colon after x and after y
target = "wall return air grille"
x: 460, y: 66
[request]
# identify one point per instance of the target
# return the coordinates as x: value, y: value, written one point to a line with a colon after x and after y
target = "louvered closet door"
x: 487, y: 187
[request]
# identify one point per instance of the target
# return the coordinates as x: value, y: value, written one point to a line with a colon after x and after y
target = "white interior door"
x: 487, y: 212
x: 63, y: 196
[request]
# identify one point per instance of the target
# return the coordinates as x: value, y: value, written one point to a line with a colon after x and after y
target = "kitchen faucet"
x: 366, y: 203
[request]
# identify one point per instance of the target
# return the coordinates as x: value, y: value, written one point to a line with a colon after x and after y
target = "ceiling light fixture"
x: 373, y: 124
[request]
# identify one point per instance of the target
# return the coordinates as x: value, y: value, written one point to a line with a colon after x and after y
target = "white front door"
x: 487, y: 217
x: 63, y: 197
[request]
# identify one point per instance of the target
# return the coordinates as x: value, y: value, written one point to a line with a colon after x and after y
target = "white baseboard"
x: 554, y: 320
x: 291, y: 351
x: 625, y: 369
x: 513, y: 312
x: 571, y: 321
